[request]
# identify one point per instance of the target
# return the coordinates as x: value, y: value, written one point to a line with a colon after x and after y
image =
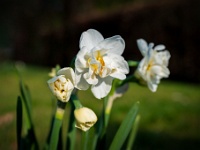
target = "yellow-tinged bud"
x: 85, y: 118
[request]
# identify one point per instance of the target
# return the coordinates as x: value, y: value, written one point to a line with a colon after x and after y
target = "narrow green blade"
x: 27, y: 101
x: 133, y: 133
x: 125, y: 128
x: 19, y: 121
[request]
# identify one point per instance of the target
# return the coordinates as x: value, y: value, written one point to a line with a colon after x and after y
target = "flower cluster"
x: 100, y: 67
x: 100, y: 61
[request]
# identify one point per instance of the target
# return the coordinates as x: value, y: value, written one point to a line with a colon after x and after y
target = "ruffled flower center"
x: 149, y: 65
x: 97, y: 64
x: 62, y: 86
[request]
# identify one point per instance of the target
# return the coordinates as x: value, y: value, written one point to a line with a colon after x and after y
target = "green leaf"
x: 27, y: 102
x: 19, y: 121
x: 124, y: 128
x: 133, y: 133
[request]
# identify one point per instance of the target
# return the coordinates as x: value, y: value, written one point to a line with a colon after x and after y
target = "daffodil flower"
x: 98, y: 62
x: 85, y: 118
x: 63, y: 84
x: 153, y: 67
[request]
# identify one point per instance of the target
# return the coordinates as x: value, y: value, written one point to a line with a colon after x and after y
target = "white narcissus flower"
x: 85, y: 118
x: 153, y: 66
x: 63, y: 84
x: 99, y: 61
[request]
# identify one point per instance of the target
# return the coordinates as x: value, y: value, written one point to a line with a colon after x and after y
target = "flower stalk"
x: 57, y: 125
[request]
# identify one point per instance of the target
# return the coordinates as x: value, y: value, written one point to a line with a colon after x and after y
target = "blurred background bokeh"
x: 43, y: 33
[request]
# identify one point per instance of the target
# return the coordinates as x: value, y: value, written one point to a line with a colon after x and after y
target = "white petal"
x: 113, y: 44
x: 117, y: 62
x: 152, y: 87
x: 150, y: 45
x: 90, y: 39
x: 159, y: 47
x: 81, y: 83
x: 155, y: 79
x: 52, y: 80
x: 69, y: 74
x: 90, y: 79
x: 166, y: 72
x: 103, y: 87
x: 161, y: 58
x: 117, y: 65
x: 156, y: 70
x: 81, y: 62
x: 165, y: 57
x: 160, y: 71
x: 118, y: 75
x: 143, y: 46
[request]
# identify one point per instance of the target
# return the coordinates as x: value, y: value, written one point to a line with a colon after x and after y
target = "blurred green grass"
x: 170, y: 114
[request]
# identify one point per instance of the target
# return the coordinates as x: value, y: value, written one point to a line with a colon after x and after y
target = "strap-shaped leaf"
x: 133, y: 133
x: 27, y: 102
x: 19, y: 121
x: 124, y: 128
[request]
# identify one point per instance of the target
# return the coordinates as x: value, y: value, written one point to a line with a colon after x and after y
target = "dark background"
x: 47, y: 32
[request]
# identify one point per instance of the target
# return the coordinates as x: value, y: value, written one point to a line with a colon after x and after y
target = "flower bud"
x: 85, y: 118
x: 52, y: 73
x: 63, y: 84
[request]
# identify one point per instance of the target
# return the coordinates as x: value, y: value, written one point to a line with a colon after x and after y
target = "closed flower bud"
x: 85, y: 118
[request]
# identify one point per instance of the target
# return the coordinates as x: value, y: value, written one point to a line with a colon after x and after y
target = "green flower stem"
x: 57, y: 125
x: 132, y: 63
x: 106, y: 112
x: 108, y: 108
x: 130, y: 78
x: 85, y: 141
x: 71, y: 134
x: 108, y: 102
x: 75, y: 101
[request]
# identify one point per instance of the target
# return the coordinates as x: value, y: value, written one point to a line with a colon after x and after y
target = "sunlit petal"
x: 90, y: 39
x: 143, y: 46
x: 103, y: 87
